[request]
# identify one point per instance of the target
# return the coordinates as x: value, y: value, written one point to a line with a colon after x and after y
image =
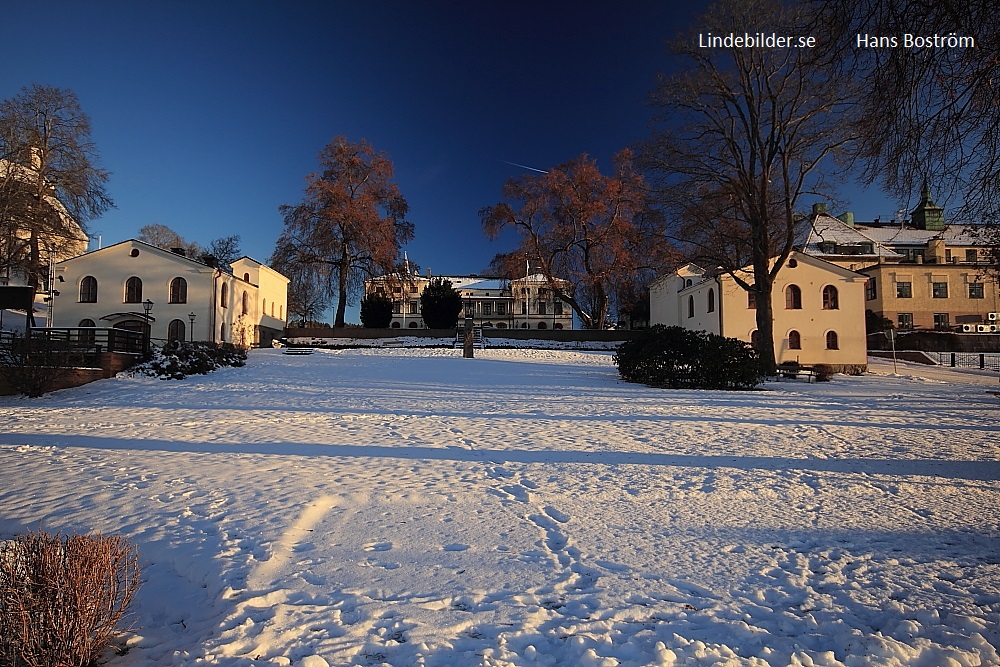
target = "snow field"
x: 409, y: 507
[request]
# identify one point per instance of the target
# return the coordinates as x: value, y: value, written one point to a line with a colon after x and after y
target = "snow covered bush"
x: 63, y: 598
x: 676, y: 357
x: 177, y: 360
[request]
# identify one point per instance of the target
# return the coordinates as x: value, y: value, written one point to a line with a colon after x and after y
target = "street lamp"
x: 147, y: 306
x: 191, y: 317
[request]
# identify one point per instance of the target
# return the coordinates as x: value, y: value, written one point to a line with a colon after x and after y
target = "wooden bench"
x: 297, y: 350
x: 393, y: 342
x: 795, y: 372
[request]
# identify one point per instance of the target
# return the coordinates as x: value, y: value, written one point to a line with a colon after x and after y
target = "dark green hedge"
x: 680, y: 358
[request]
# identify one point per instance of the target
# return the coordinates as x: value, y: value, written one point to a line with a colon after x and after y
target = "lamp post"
x: 191, y: 317
x: 468, y: 342
x: 147, y: 306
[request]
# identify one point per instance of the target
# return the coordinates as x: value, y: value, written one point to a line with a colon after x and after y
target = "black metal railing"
x: 70, y: 346
x: 985, y: 361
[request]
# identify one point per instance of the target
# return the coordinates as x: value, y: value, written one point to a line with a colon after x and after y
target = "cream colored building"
x: 818, y: 310
x: 521, y: 303
x: 187, y: 299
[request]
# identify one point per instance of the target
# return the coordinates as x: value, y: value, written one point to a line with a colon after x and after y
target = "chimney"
x: 847, y: 218
x: 428, y: 273
x: 819, y: 209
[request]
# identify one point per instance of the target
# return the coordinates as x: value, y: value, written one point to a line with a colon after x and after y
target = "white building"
x: 521, y: 303
x: 186, y: 299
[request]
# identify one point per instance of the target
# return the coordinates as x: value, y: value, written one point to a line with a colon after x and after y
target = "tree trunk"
x: 765, y: 322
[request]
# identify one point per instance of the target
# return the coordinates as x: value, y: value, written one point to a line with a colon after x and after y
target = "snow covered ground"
x: 410, y: 507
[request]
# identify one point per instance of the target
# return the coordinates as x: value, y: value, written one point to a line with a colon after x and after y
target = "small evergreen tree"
x: 440, y: 304
x: 376, y: 312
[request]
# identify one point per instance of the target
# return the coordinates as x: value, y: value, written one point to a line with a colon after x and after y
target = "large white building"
x: 186, y: 299
x: 521, y: 303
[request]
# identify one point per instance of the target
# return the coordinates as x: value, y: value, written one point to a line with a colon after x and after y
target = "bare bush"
x: 63, y: 598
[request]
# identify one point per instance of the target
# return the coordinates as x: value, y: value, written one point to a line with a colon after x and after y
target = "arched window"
x: 831, y: 341
x: 755, y: 339
x: 395, y: 325
x: 246, y: 277
x: 224, y: 296
x: 263, y: 306
x: 281, y: 312
x: 412, y: 325
x: 794, y: 340
x: 178, y: 291
x: 175, y: 331
x: 711, y: 300
x: 831, y: 300
x: 222, y: 333
x: 88, y: 290
x: 246, y: 303
x: 87, y: 337
x: 133, y: 290
x: 793, y: 297
x: 690, y: 306
x: 272, y: 309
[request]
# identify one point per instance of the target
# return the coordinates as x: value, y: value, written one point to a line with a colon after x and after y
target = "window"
x: 755, y: 339
x: 904, y: 320
x: 175, y: 330
x: 411, y: 308
x: 831, y: 340
x: 794, y: 340
x: 487, y: 309
x: 88, y: 290
x: 263, y: 306
x: 397, y: 307
x: 133, y: 290
x: 501, y: 309
x: 246, y: 277
x: 224, y: 296
x: 976, y: 291
x: 178, y: 291
x: 871, y: 291
x: 939, y: 290
x: 793, y: 297
x: 543, y: 325
x: 792, y: 263
x: 557, y: 308
x: 711, y: 300
x: 831, y: 300
x: 904, y: 290
x: 752, y: 300
x: 281, y: 311
x: 524, y: 307
x: 542, y: 308
x: 222, y: 333
x: 245, y: 310
x: 941, y: 321
x: 690, y: 306
x: 972, y: 256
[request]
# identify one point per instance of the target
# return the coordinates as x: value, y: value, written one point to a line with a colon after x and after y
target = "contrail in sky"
x: 524, y: 166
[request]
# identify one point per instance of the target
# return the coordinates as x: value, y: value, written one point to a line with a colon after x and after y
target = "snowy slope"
x: 410, y: 507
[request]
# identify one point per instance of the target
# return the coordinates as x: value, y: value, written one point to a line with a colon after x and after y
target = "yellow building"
x: 922, y: 273
x: 818, y: 310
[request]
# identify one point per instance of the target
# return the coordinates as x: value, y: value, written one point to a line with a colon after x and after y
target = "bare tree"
x: 744, y: 133
x: 164, y: 237
x: 929, y: 80
x: 590, y: 235
x: 50, y: 181
x: 350, y: 225
x: 225, y: 249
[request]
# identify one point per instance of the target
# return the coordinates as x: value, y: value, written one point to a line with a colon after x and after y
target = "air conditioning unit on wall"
x: 993, y: 317
x: 994, y: 328
x: 982, y: 328
x: 968, y: 328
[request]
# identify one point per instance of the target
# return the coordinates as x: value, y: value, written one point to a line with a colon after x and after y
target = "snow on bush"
x: 177, y: 360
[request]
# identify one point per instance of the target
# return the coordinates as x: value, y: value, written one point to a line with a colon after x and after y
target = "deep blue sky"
x: 210, y: 115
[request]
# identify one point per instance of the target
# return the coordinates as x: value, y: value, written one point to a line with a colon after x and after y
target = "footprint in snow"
x: 455, y: 547
x: 378, y: 546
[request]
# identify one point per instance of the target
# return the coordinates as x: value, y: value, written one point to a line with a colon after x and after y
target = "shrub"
x: 63, y: 598
x: 676, y: 357
x: 176, y: 360
x: 32, y: 366
x: 376, y: 311
x: 440, y: 304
